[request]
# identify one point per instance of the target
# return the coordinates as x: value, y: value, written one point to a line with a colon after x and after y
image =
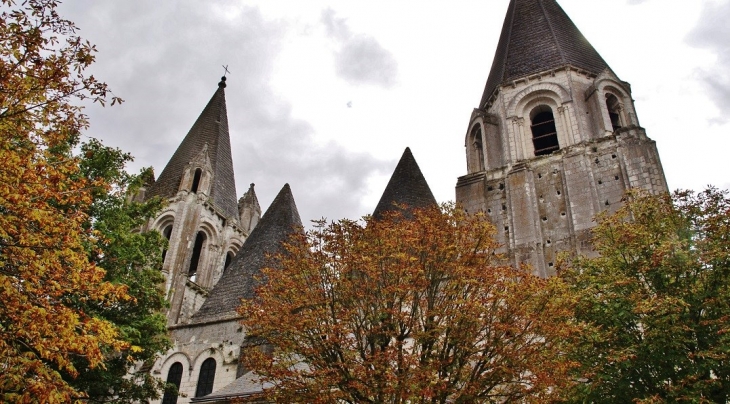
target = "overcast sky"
x: 325, y: 95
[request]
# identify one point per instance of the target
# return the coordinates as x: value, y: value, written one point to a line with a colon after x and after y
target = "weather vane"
x: 225, y: 70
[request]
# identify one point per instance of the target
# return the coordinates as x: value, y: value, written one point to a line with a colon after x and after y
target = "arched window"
x: 197, y: 250
x: 174, y: 376
x: 196, y: 180
x: 544, y: 134
x: 167, y: 233
x: 229, y: 258
x: 206, y: 378
x: 614, y: 111
x: 476, y: 139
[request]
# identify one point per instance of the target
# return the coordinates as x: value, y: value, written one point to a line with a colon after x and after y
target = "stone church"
x: 554, y: 140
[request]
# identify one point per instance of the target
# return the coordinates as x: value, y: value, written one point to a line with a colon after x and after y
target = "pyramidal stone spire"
x: 210, y: 131
x: 538, y: 36
x: 407, y: 186
x: 239, y: 280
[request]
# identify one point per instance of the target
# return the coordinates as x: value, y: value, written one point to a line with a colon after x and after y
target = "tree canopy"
x: 656, y: 302
x: 405, y: 310
x: 78, y: 296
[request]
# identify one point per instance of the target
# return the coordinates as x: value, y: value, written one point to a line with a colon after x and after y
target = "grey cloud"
x: 360, y: 59
x: 165, y: 60
x: 713, y: 32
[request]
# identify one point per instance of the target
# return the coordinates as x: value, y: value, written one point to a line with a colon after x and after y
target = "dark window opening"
x: 206, y: 378
x: 196, y: 180
x: 544, y: 134
x: 229, y: 258
x: 174, y: 376
x: 613, y: 111
x: 166, y: 233
x: 197, y: 250
x: 476, y: 138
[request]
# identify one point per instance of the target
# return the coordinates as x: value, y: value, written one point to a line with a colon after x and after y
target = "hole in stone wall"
x: 558, y: 192
x: 501, y: 187
x: 544, y: 218
x: 504, y: 207
x: 550, y: 264
x: 597, y: 161
x: 506, y: 228
x: 613, y: 156
x: 615, y: 177
x: 562, y: 213
x: 490, y: 188
x: 607, y: 203
x: 489, y: 210
x: 594, y: 149
x: 539, y: 175
x: 548, y: 242
x: 600, y: 182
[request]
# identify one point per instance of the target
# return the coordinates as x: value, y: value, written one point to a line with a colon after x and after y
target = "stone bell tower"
x: 554, y: 140
x: 202, y: 219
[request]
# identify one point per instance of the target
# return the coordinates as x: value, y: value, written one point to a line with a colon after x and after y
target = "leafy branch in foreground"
x: 405, y: 310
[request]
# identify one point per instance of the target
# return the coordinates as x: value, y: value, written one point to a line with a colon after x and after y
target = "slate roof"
x: 407, y: 186
x: 210, y: 128
x: 537, y: 36
x: 277, y: 224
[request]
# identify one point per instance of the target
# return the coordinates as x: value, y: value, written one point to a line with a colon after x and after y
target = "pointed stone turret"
x: 238, y: 282
x: 537, y: 36
x: 407, y: 186
x: 207, y: 143
x: 249, y: 210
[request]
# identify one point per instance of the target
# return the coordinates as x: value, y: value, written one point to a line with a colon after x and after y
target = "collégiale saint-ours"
x: 554, y: 140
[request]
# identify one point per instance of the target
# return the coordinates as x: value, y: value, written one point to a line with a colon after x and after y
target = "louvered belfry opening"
x: 544, y: 134
x: 476, y: 138
x: 197, y: 250
x: 613, y: 106
x: 167, y: 233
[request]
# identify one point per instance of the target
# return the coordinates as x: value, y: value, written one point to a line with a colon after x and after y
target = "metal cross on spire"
x: 225, y: 70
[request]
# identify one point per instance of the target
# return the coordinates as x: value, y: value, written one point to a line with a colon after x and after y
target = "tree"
x: 405, y: 310
x: 61, y: 220
x: 130, y: 258
x: 657, y: 302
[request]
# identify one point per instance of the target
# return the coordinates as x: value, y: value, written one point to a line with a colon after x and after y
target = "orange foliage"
x: 44, y: 231
x: 405, y: 310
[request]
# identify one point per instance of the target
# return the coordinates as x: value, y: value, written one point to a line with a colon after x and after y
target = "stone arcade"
x: 554, y: 140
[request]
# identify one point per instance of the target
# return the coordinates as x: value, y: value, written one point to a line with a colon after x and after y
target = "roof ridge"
x: 552, y: 32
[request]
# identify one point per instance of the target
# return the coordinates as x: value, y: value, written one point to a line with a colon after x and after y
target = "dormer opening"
x: 614, y: 111
x: 544, y: 133
x: 477, y: 147
x: 196, y: 180
x: 197, y: 252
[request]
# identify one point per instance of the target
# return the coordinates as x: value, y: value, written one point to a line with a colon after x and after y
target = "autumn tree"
x: 657, y: 301
x: 405, y: 310
x: 61, y: 221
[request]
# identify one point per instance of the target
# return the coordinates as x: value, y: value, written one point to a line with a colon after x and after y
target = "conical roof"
x: 238, y: 282
x: 211, y: 129
x: 407, y: 186
x: 537, y: 36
